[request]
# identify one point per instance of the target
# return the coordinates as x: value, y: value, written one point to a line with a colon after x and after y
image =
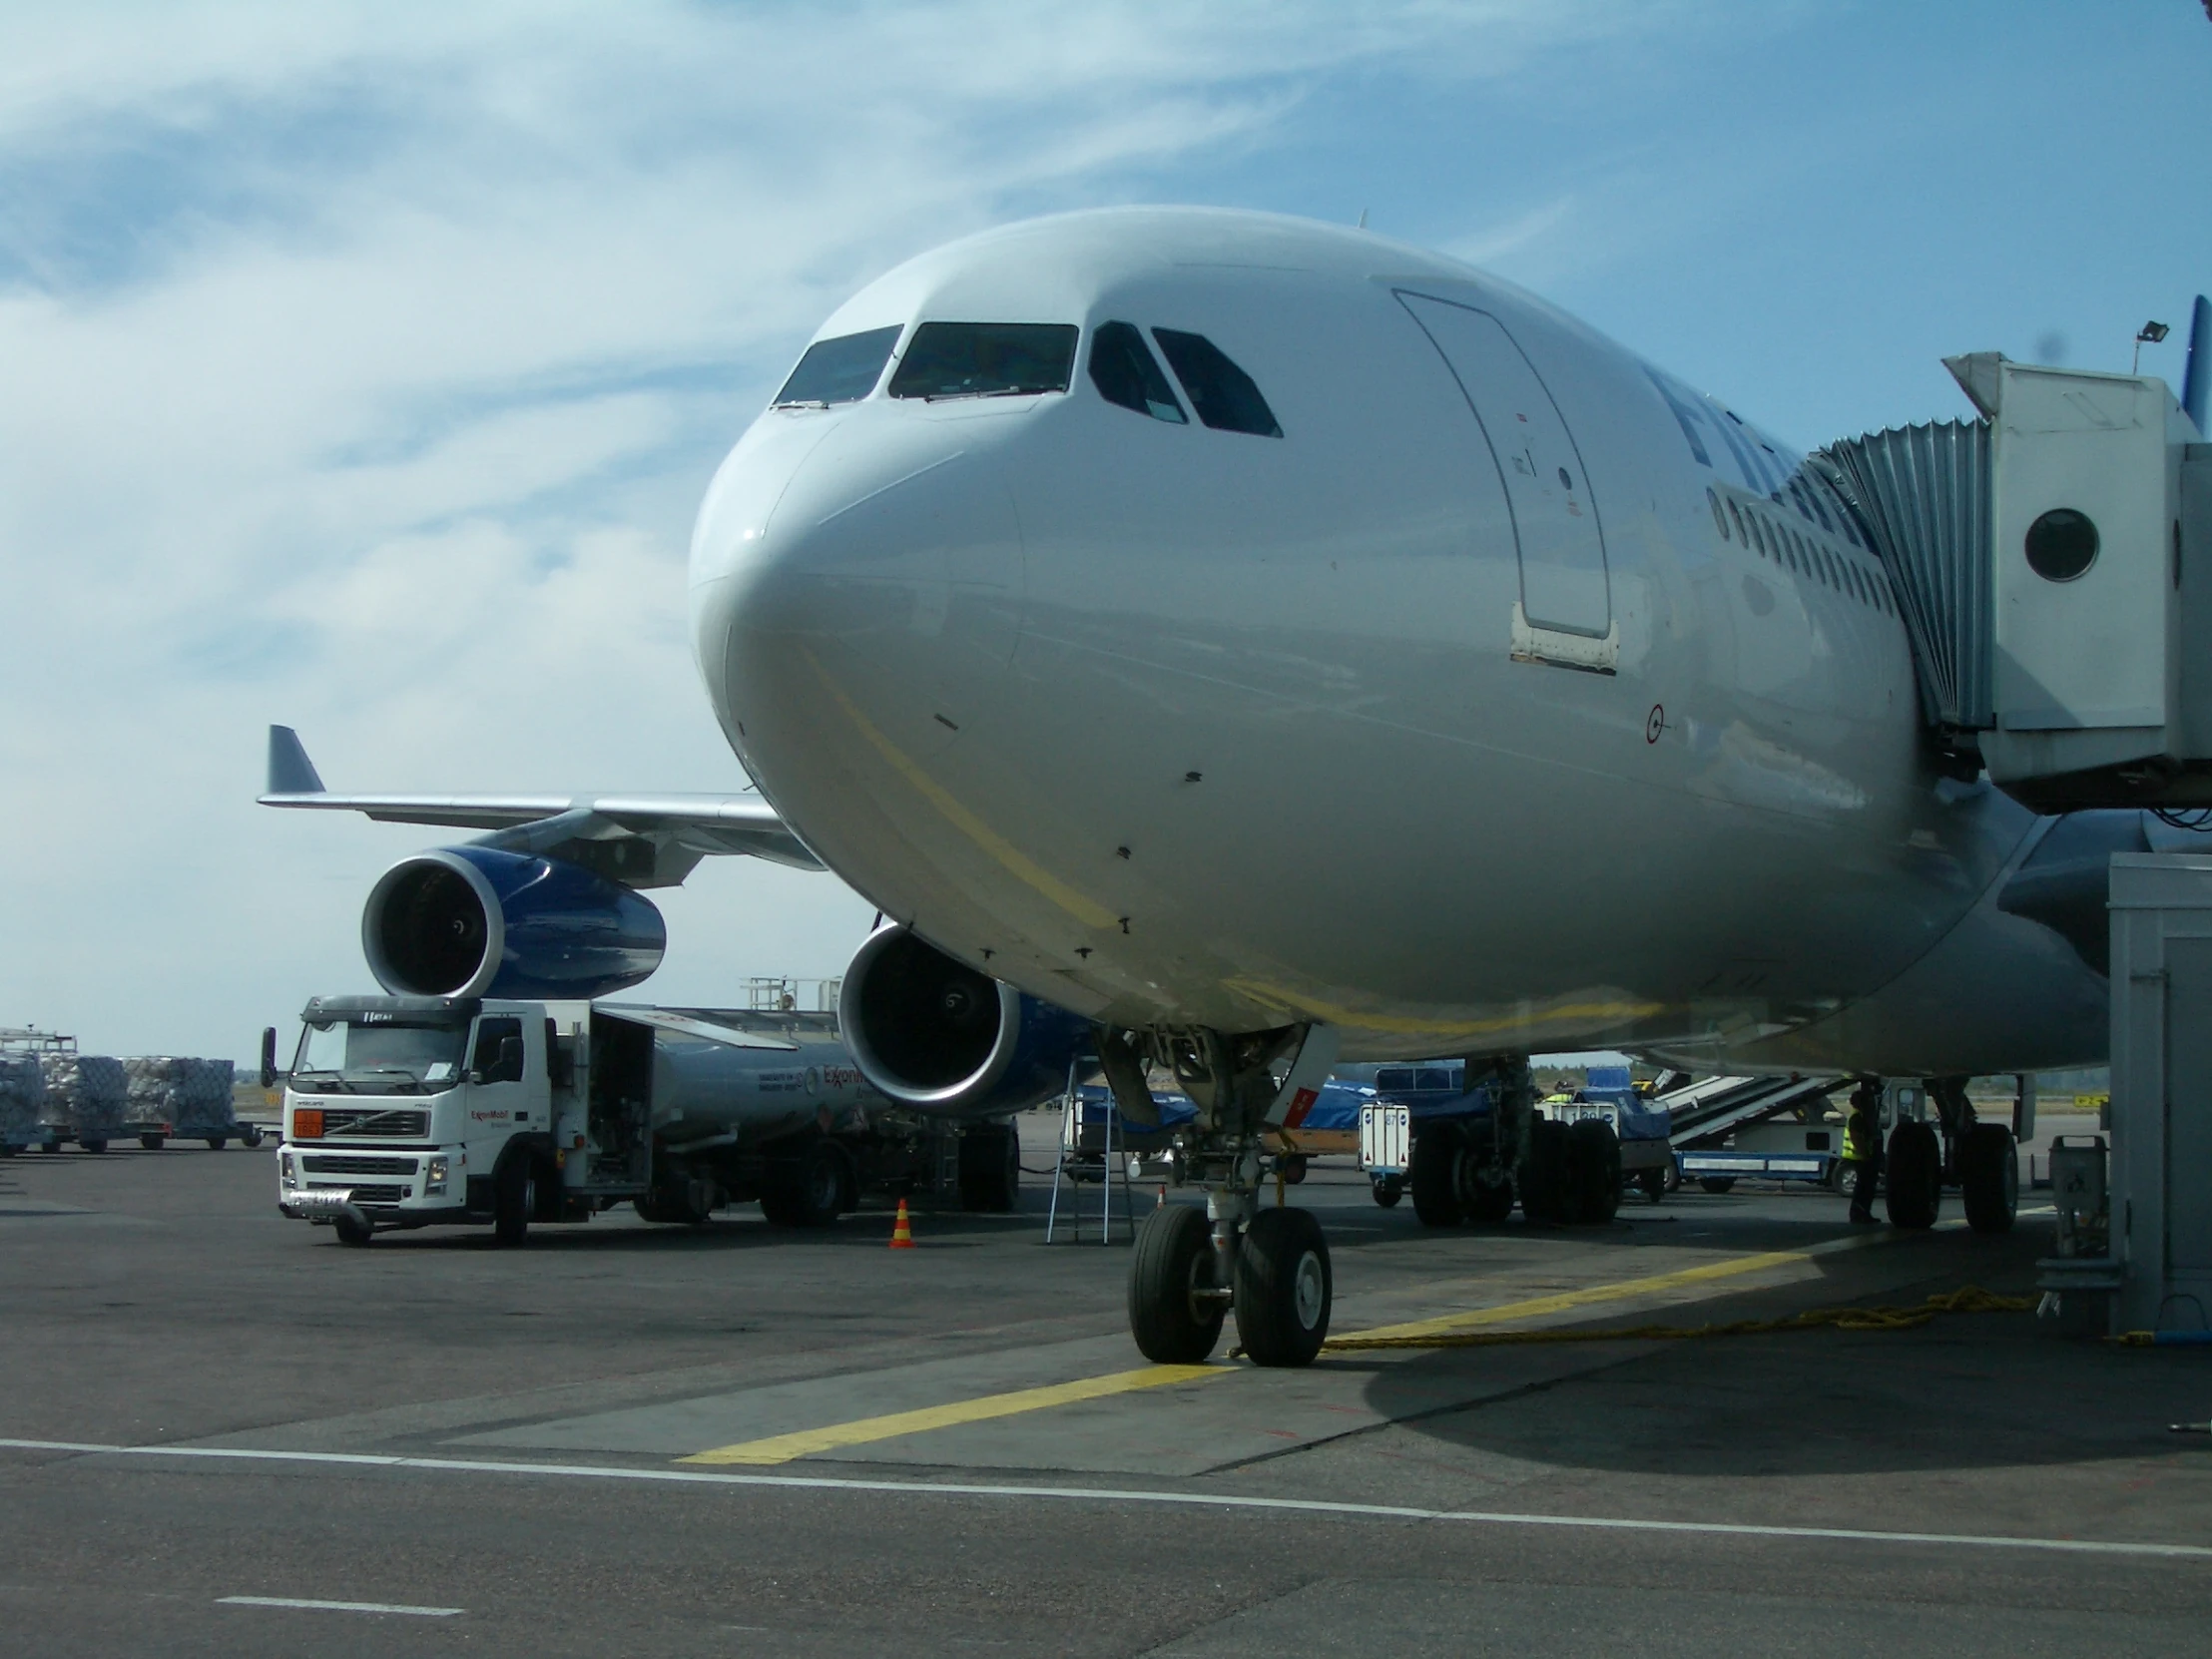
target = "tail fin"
x: 2196, y: 380
x: 290, y: 769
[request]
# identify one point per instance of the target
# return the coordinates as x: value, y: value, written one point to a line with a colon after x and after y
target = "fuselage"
x: 1515, y: 697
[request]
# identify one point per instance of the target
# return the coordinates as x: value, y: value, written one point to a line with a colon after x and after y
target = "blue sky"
x: 364, y: 364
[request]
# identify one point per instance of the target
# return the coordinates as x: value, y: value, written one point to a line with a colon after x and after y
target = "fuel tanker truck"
x: 405, y: 1111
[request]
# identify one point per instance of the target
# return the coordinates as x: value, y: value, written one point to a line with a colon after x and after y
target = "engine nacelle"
x: 474, y: 922
x: 937, y: 1035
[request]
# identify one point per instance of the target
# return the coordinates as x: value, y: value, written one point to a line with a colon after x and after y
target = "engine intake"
x: 937, y: 1035
x: 475, y: 922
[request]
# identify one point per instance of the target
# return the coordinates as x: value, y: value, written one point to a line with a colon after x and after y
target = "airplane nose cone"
x: 857, y: 581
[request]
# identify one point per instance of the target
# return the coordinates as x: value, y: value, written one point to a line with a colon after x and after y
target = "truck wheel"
x: 514, y: 1200
x: 1990, y: 1178
x: 252, y: 1137
x: 216, y: 1143
x: 1545, y: 1193
x: 8, y: 1149
x: 152, y: 1143
x: 990, y: 1167
x: 352, y: 1233
x: 94, y: 1146
x: 1714, y: 1182
x: 1913, y: 1176
x: 1172, y: 1261
x: 1282, y: 1288
x: 1593, y: 1172
x: 50, y: 1146
x: 1389, y: 1188
x: 812, y: 1194
x: 1435, y: 1179
x: 1294, y: 1169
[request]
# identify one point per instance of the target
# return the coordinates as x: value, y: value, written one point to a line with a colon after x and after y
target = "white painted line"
x: 337, y: 1606
x: 1118, y: 1495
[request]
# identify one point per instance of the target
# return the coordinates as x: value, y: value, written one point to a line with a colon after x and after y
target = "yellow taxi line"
x: 782, y: 1449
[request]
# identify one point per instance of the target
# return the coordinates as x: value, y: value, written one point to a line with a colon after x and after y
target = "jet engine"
x: 477, y: 921
x: 937, y: 1035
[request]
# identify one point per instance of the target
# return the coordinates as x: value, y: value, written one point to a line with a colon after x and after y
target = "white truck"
x: 413, y: 1111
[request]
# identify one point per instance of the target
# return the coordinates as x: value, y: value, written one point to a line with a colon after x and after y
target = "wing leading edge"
x: 641, y: 841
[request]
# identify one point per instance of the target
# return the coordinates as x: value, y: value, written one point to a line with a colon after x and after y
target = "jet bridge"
x: 2053, y: 565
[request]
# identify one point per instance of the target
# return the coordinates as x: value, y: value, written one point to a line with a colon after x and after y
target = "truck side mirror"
x: 268, y: 1056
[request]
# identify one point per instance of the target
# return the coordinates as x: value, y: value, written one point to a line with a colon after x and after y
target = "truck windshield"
x: 389, y: 1057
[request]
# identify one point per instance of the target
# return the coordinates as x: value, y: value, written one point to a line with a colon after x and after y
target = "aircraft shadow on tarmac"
x: 1977, y: 1390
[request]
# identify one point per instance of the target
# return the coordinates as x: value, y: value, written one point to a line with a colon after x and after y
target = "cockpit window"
x: 986, y: 359
x: 1221, y: 392
x: 841, y: 370
x: 1125, y: 372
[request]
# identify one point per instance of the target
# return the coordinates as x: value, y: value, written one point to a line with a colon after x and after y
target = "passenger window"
x: 841, y: 370
x: 986, y: 359
x: 1125, y: 374
x: 1720, y: 519
x: 1223, y: 394
x: 1736, y: 513
x: 496, y: 1061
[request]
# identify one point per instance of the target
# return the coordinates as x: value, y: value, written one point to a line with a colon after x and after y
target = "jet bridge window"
x: 841, y: 370
x: 1223, y: 394
x: 1126, y: 373
x: 986, y: 359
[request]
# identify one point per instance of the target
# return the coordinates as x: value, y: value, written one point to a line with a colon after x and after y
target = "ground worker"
x: 1863, y: 1146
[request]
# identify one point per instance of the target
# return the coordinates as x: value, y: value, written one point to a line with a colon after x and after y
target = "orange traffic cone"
x: 902, y: 1234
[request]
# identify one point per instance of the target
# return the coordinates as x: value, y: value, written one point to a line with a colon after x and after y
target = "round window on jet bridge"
x: 2061, y: 544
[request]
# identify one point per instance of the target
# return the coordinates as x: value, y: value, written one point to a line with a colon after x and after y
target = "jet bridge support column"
x: 2161, y: 1174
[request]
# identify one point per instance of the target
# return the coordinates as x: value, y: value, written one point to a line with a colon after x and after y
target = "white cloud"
x: 364, y: 365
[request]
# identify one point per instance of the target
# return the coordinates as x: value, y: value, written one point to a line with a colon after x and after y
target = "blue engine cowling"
x: 937, y: 1035
x: 473, y: 921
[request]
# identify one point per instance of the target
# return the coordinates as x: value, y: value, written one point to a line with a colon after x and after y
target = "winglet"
x: 2196, y: 380
x: 290, y: 769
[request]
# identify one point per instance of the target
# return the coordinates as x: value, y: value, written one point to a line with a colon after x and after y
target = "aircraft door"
x: 1555, y: 526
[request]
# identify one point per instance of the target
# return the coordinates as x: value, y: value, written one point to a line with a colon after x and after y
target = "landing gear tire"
x: 1543, y: 1177
x: 514, y: 1201
x: 152, y: 1143
x: 353, y: 1234
x: 816, y: 1193
x: 1389, y: 1188
x: 1173, y: 1262
x: 990, y: 1167
x: 1990, y: 1177
x: 1593, y: 1172
x: 1652, y: 1183
x: 1435, y: 1179
x: 1913, y: 1176
x: 1485, y: 1194
x: 1282, y: 1288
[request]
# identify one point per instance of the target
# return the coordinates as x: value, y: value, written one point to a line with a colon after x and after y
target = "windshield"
x: 986, y: 359
x: 841, y: 370
x: 389, y: 1057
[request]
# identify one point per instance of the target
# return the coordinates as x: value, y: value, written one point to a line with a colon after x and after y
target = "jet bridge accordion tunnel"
x: 2053, y: 564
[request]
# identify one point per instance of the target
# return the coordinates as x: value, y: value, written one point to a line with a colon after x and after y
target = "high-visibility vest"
x: 1853, y: 1153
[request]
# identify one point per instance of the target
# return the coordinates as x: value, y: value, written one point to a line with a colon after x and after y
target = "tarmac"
x: 223, y: 1432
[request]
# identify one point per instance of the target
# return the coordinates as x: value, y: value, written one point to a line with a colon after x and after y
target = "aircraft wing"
x: 641, y: 841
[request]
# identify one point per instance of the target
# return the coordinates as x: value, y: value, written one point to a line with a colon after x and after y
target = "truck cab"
x: 405, y: 1111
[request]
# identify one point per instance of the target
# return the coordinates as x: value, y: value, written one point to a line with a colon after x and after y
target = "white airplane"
x: 1230, y: 643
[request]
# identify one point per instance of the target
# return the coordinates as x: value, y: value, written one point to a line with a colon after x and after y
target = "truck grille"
x: 371, y: 1123
x: 331, y: 1164
x: 361, y: 1195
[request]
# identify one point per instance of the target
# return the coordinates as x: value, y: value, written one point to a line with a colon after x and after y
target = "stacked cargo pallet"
x: 22, y: 1103
x: 187, y: 1098
x: 86, y: 1096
